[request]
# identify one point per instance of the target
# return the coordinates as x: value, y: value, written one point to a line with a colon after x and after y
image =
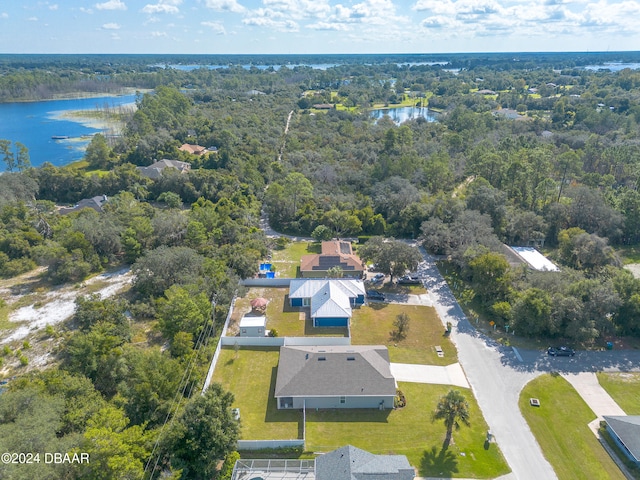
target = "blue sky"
x: 317, y: 26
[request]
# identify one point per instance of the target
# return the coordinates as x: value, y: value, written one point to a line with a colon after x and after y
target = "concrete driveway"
x: 413, y: 373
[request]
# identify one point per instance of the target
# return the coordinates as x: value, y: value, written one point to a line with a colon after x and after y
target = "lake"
x: 613, y: 66
x: 402, y: 114
x: 34, y: 123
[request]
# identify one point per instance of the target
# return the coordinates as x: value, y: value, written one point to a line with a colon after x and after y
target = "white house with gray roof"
x: 345, y: 376
x: 351, y: 463
x: 330, y: 300
x: 625, y: 430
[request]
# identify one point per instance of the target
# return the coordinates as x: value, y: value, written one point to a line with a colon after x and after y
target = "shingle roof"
x: 334, y: 254
x: 627, y: 429
x: 351, y: 463
x: 154, y: 171
x: 345, y: 370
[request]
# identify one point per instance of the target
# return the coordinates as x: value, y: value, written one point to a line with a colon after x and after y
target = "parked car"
x: 409, y: 280
x: 562, y: 351
x: 375, y: 295
x: 378, y: 277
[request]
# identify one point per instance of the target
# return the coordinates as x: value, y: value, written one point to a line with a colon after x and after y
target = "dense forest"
x: 530, y: 149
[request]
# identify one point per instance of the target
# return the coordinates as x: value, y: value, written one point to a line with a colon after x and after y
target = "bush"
x: 26, y: 345
x: 273, y: 332
x: 24, y: 361
x: 282, y: 242
x: 227, y: 467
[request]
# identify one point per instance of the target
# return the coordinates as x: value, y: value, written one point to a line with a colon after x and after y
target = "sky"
x: 317, y: 26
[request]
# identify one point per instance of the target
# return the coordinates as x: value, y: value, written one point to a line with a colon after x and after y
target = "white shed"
x: 253, y: 326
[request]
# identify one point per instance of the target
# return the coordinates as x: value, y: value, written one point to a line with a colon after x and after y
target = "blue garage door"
x: 331, y: 322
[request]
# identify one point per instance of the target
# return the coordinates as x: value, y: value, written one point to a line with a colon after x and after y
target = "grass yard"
x: 400, y: 289
x: 251, y: 375
x: 373, y: 325
x: 560, y: 425
x: 624, y: 388
x: 288, y: 321
x: 409, y: 431
x: 287, y: 261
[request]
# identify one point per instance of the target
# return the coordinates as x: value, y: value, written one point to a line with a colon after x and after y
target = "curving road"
x: 497, y: 375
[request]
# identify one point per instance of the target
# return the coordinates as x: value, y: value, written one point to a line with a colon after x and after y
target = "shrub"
x: 24, y: 361
x: 273, y: 332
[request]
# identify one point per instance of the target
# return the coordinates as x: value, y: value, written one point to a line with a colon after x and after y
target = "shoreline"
x: 95, y: 119
x: 84, y: 95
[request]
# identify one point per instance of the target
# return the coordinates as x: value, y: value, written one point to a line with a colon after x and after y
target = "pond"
x: 402, y: 114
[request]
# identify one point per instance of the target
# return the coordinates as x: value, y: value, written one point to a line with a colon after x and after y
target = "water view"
x: 36, y: 124
x: 402, y: 114
x: 614, y: 66
x: 188, y: 68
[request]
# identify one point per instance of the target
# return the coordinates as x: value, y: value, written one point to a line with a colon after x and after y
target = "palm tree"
x: 453, y: 409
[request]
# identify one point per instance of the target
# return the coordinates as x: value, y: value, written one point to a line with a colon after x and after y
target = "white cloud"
x: 111, y: 26
x: 158, y: 34
x: 163, y: 6
x: 86, y: 10
x: 225, y: 6
x: 328, y: 26
x: 53, y: 7
x: 217, y: 27
x: 112, y: 5
x: 4, y: 15
x: 115, y: 36
x: 33, y: 19
x: 280, y: 25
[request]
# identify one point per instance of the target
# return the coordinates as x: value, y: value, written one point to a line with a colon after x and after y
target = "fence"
x: 264, y: 444
x: 266, y: 282
x: 214, y: 360
x: 280, y: 341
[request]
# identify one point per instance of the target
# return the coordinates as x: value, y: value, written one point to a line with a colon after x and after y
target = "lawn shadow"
x: 348, y: 415
x: 286, y: 307
x: 272, y: 414
x: 310, y: 330
x: 315, y: 247
x: 438, y: 464
x: 378, y: 305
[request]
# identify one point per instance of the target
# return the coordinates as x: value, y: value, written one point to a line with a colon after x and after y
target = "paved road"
x: 495, y: 384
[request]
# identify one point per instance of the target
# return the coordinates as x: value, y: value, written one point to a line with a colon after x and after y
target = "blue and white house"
x: 331, y: 300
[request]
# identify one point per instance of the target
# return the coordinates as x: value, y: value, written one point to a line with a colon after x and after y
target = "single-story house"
x: 345, y: 463
x: 95, y: 203
x: 154, y: 171
x: 330, y: 300
x: 625, y: 430
x: 351, y: 463
x: 343, y: 376
x: 193, y: 149
x: 335, y: 253
x: 253, y: 326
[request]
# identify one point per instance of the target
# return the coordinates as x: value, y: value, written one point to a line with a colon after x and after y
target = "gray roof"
x: 308, y: 287
x: 154, y: 171
x: 351, y: 463
x: 343, y: 370
x: 627, y: 429
x: 95, y: 203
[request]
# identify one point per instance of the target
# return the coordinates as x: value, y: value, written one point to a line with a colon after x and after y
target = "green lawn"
x: 560, y: 425
x: 624, y: 388
x: 287, y: 261
x: 400, y: 289
x: 251, y: 375
x: 373, y: 325
x: 409, y: 431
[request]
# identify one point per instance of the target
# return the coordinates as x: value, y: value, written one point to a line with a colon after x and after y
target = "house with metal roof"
x: 351, y: 463
x: 335, y: 253
x: 330, y: 300
x: 343, y: 376
x: 625, y: 430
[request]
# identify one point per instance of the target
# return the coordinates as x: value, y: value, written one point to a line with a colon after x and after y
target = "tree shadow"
x: 438, y: 464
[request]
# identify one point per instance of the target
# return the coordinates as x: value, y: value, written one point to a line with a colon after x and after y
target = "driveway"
x: 413, y: 373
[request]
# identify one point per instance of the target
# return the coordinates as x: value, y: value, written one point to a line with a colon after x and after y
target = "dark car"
x: 409, y: 280
x: 378, y: 277
x: 375, y: 295
x: 561, y: 351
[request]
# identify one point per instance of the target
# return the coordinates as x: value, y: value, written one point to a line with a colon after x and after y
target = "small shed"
x: 253, y: 326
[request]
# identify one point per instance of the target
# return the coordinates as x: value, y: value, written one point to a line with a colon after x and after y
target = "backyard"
x: 287, y: 260
x: 560, y: 425
x: 287, y: 321
x: 373, y: 325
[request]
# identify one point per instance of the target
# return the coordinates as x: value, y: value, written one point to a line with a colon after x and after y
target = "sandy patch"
x: 58, y: 305
x: 634, y: 268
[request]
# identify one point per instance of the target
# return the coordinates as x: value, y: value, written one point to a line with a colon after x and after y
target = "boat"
x: 59, y: 137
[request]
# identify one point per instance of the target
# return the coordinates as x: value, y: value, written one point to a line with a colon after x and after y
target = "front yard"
x: 560, y: 424
x: 624, y: 388
x: 373, y: 325
x: 409, y: 431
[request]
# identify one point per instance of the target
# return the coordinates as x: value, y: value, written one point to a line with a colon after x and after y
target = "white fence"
x: 264, y: 444
x: 214, y: 360
x: 280, y: 341
x: 266, y: 282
